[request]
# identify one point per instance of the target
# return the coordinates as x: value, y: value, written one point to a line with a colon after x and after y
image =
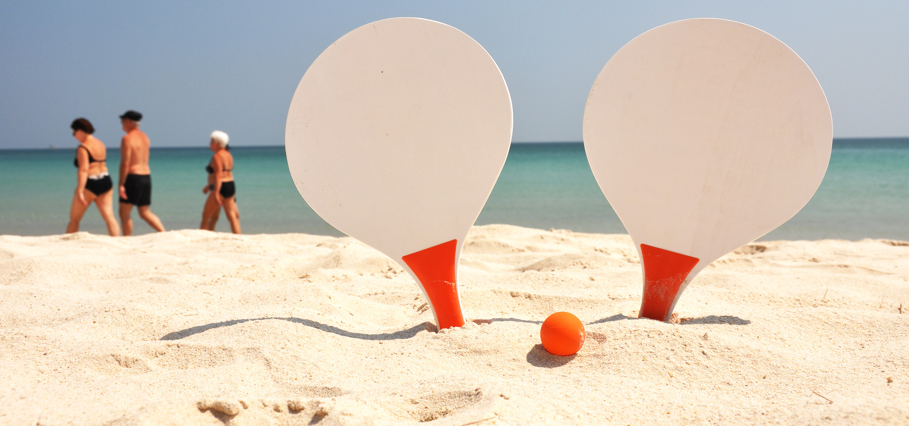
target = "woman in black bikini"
x: 220, y: 188
x: 93, y: 182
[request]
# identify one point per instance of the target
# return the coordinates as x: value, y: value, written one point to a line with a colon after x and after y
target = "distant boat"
x: 52, y: 146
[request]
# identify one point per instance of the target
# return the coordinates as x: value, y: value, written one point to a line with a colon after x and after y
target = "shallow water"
x: 865, y: 193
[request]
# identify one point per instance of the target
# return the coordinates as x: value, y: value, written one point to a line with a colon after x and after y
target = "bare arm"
x: 82, y: 174
x: 124, y: 165
x: 210, y: 184
x: 124, y: 160
x: 218, y: 164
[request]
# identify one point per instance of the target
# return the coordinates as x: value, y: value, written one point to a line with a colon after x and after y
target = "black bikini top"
x: 211, y: 170
x: 90, y: 158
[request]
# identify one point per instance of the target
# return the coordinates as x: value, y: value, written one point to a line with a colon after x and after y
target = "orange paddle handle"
x: 435, y: 267
x: 664, y: 273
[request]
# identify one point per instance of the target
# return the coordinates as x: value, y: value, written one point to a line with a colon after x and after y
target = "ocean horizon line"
x: 836, y: 140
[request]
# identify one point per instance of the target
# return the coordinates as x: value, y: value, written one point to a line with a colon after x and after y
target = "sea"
x: 865, y: 193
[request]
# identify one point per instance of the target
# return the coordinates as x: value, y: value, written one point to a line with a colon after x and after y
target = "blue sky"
x: 192, y: 67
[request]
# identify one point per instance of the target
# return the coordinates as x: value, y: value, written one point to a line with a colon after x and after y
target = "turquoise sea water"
x: 865, y: 193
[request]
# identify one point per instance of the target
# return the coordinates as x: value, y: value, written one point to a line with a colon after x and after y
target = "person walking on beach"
x: 92, y: 180
x: 220, y: 188
x: 135, y: 175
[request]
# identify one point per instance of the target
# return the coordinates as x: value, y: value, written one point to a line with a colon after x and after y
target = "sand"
x: 195, y: 327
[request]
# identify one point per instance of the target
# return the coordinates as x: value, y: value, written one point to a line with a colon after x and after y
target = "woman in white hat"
x: 220, y: 188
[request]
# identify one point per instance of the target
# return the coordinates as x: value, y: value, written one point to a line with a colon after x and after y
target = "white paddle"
x: 704, y: 135
x: 396, y: 136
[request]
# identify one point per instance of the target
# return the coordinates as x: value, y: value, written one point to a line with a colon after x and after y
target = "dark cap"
x: 131, y: 115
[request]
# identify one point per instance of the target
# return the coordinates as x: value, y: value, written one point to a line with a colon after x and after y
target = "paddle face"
x: 704, y: 135
x: 396, y: 135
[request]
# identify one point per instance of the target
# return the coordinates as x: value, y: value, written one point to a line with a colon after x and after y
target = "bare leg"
x: 125, y: 220
x: 232, y: 213
x: 153, y: 221
x: 77, y: 210
x: 104, y: 202
x: 210, y: 213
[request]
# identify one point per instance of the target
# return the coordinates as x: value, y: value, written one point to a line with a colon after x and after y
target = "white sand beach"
x: 194, y: 327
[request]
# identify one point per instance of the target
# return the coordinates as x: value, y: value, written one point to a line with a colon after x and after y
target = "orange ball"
x: 562, y: 334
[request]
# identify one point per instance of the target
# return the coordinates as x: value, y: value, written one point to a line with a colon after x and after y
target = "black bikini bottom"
x: 99, y: 186
x: 228, y: 189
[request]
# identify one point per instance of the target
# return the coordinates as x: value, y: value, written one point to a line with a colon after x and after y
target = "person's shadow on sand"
x: 398, y: 335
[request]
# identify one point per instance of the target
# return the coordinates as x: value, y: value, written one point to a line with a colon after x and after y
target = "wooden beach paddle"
x: 396, y: 136
x: 703, y: 134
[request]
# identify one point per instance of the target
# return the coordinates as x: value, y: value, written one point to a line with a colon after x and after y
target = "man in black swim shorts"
x: 138, y: 190
x: 135, y: 175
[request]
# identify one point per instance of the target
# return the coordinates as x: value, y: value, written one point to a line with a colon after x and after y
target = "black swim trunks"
x: 228, y: 189
x: 99, y: 186
x: 138, y: 190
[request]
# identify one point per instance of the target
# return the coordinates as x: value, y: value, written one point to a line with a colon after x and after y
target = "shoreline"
x: 187, y: 327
